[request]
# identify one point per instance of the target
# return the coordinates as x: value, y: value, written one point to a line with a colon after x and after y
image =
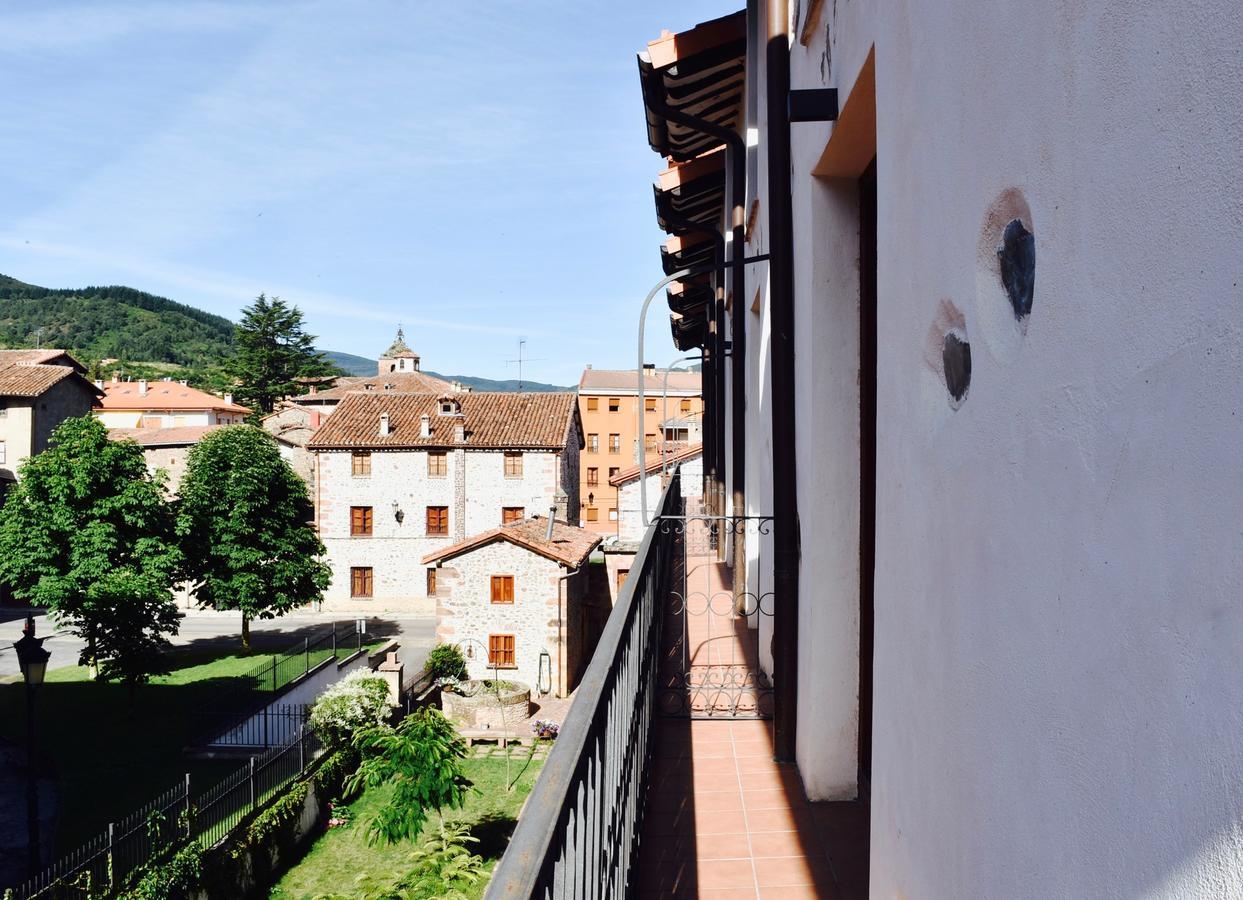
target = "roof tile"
x: 569, y: 545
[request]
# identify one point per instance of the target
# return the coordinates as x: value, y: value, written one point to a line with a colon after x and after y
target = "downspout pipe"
x: 736, y: 163
x: 660, y: 285
x: 786, y: 537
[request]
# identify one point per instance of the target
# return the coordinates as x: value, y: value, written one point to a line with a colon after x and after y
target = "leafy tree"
x: 446, y: 661
x: 357, y: 702
x: 422, y: 757
x: 272, y: 352
x: 244, y: 524
x: 89, y: 533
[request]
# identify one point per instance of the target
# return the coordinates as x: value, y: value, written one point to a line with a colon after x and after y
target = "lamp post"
x: 33, y: 661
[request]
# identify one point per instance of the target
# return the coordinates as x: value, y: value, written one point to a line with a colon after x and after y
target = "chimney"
x: 184, y: 383
x: 116, y: 377
x: 425, y: 425
x: 459, y: 433
x: 314, y: 423
x: 385, y: 431
x: 142, y: 387
x: 228, y: 399
x: 552, y: 518
x: 99, y: 383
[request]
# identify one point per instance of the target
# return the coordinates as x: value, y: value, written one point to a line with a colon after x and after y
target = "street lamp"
x: 33, y: 661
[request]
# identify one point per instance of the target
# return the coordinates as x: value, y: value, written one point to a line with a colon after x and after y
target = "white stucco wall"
x: 630, y: 527
x: 1057, y: 698
x: 488, y: 489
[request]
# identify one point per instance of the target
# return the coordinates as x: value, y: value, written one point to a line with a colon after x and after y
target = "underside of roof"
x: 699, y: 73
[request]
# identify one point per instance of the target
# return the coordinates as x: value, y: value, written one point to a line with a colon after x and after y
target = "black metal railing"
x: 104, y: 865
x: 253, y: 691
x: 274, y: 725
x: 579, y: 831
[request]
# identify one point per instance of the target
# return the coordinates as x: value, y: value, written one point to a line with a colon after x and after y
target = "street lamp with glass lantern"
x: 32, y: 659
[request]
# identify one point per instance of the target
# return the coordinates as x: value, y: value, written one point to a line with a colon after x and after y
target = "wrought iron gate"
x: 711, y: 661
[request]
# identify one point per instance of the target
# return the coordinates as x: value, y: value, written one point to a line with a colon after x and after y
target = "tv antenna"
x: 520, y: 360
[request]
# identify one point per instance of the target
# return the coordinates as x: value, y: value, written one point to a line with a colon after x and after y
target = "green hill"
x: 111, y: 321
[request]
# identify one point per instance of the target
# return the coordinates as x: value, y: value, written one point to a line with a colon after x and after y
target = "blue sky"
x: 476, y: 171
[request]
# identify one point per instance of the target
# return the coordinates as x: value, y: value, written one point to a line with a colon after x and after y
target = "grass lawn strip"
x: 340, y: 857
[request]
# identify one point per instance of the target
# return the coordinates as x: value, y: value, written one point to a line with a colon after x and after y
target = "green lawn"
x: 340, y: 857
x: 111, y: 757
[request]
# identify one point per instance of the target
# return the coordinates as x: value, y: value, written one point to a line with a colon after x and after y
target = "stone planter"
x: 478, y: 704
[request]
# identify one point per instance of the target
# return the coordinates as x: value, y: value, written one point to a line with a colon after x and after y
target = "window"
x: 686, y: 407
x: 502, y: 589
x: 360, y: 463
x: 513, y: 465
x: 614, y: 404
x: 593, y: 476
x: 431, y: 581
x: 649, y: 443
x: 593, y: 443
x: 614, y: 443
x: 612, y: 513
x: 593, y: 404
x: 593, y: 514
x: 501, y: 651
x: 438, y: 520
x: 437, y: 463
x: 360, y: 521
x: 649, y: 404
x: 4, y: 452
x: 613, y: 470
x: 360, y: 581
x: 621, y: 577
x: 512, y: 514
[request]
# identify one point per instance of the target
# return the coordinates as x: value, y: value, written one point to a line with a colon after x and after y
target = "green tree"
x: 422, y: 757
x: 244, y: 525
x: 271, y: 352
x: 89, y: 533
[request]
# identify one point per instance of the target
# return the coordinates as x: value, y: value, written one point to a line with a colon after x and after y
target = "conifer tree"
x: 271, y: 352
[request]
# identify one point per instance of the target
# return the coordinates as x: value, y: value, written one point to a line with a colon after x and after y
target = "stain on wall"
x: 1017, y: 261
x: 948, y: 351
x: 956, y: 366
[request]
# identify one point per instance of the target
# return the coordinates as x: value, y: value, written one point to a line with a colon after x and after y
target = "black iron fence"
x: 579, y: 831
x: 256, y: 689
x: 104, y: 865
x: 274, y: 725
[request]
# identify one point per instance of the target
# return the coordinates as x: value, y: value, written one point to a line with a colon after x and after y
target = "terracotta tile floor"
x: 724, y: 820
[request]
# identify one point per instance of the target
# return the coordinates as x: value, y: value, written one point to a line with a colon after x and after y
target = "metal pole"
x: 253, y: 796
x: 32, y: 785
x: 189, y: 824
x: 680, y: 273
x: 112, y: 878
x: 306, y: 655
x: 301, y: 748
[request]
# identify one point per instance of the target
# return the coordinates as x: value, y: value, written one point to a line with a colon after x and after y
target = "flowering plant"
x: 357, y: 702
x: 545, y: 730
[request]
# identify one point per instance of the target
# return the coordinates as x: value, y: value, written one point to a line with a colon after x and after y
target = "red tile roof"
x: 603, y: 381
x: 32, y: 380
x: 654, y: 464
x: 127, y: 395
x: 177, y: 436
x: 391, y: 382
x: 492, y: 420
x: 50, y: 356
x: 569, y: 545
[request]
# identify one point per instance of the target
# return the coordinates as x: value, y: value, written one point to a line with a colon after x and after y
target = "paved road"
x: 417, y: 634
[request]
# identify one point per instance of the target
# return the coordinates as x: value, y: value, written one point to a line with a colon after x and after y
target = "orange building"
x: 608, y: 401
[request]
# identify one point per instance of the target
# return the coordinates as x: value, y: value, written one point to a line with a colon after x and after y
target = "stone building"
x: 398, y: 371
x: 515, y: 599
x: 39, y: 389
x: 293, y: 426
x: 399, y: 476
x: 165, y: 449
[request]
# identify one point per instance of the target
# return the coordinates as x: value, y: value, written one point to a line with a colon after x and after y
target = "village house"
x: 39, y: 389
x: 397, y: 372
x: 515, y: 599
x: 608, y: 401
x: 165, y: 449
x: 293, y: 426
x: 164, y: 404
x: 399, y: 476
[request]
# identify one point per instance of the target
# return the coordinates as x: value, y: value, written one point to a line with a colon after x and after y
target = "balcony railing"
x: 579, y: 832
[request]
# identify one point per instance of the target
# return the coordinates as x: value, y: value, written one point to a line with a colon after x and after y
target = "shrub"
x: 446, y: 662
x: 357, y: 702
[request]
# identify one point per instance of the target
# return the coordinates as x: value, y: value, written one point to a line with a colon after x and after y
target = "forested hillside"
x: 117, y: 322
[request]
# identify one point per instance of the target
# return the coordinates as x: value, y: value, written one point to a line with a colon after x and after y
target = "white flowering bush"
x: 355, y: 703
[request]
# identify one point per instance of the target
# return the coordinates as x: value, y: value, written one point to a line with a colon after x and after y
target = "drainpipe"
x: 786, y: 537
x: 736, y: 163
x: 561, y: 617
